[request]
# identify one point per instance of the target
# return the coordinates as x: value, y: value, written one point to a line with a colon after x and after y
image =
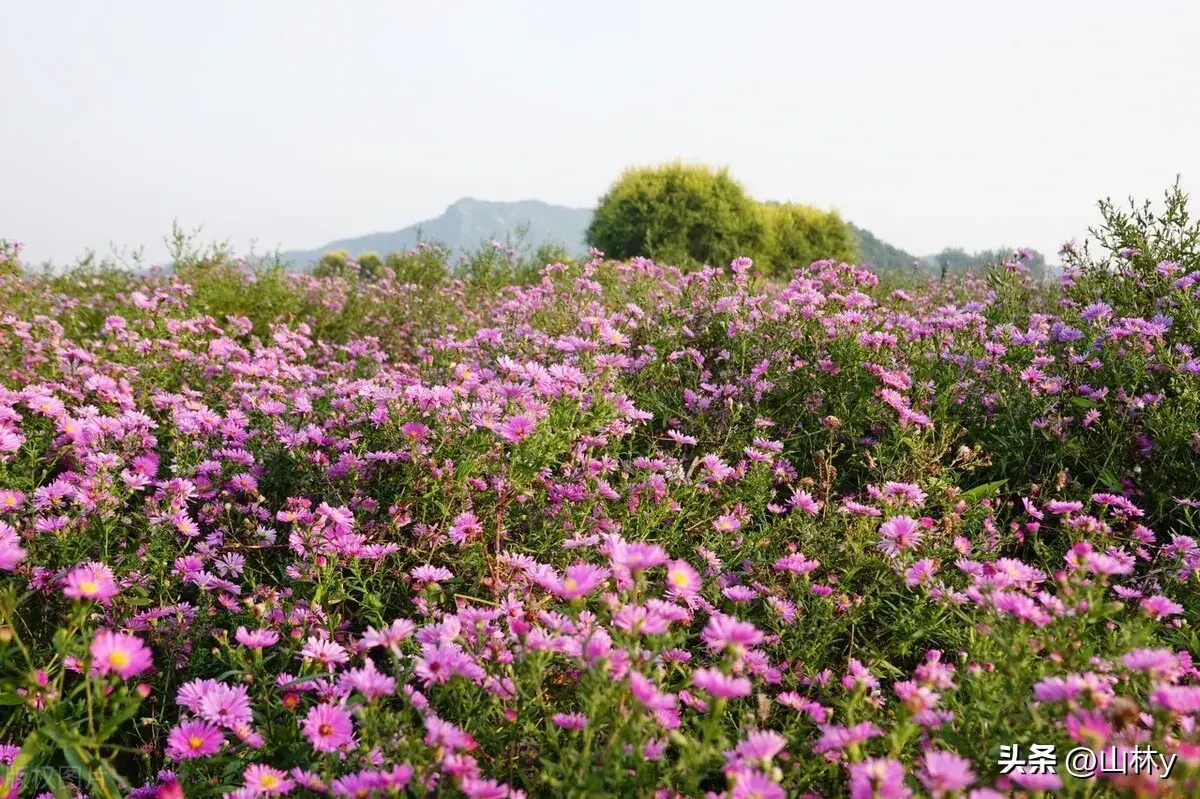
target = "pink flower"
x: 517, y: 428
x: 945, y: 773
x: 920, y: 573
x: 727, y: 524
x: 727, y: 633
x: 324, y: 651
x: 391, y: 635
x: 899, y: 533
x: 719, y: 684
x: 328, y: 727
x: 570, y: 721
x: 466, y: 527
x: 91, y: 581
x: 119, y: 653
x: 878, y: 778
x: 580, y: 580
x: 10, y: 552
x: 1160, y: 606
x: 682, y: 579
x: 193, y: 739
x: 266, y: 781
x: 256, y: 639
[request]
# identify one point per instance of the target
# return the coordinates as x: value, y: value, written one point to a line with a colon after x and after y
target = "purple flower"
x: 719, y: 684
x: 945, y: 773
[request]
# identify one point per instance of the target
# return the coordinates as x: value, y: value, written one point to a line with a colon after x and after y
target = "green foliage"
x: 369, y: 264
x: 10, y: 263
x: 798, y: 234
x: 680, y: 214
x: 332, y: 264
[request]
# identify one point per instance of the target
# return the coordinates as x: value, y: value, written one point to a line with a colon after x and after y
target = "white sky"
x: 294, y: 123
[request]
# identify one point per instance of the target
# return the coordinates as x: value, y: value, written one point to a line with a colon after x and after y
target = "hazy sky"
x: 294, y: 123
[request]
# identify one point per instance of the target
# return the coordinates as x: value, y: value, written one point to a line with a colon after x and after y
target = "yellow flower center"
x: 89, y: 586
x: 571, y: 583
x: 268, y: 781
x: 679, y: 578
x: 118, y: 659
x: 195, y: 742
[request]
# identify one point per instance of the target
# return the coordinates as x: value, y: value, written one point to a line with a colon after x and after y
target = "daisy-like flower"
x: 719, y: 684
x: 193, y: 739
x: 424, y: 575
x: 369, y: 681
x: 11, y: 552
x: 682, y: 579
x: 1160, y: 607
x: 325, y: 651
x: 391, y: 635
x: 579, y: 580
x: 119, y: 653
x: 517, y: 429
x: 91, y: 581
x: 899, y: 533
x: 727, y: 523
x: 570, y: 721
x: 328, y: 727
x: 267, y: 781
x: 733, y: 635
x: 256, y: 639
x: 945, y: 773
x: 878, y: 778
x: 225, y: 705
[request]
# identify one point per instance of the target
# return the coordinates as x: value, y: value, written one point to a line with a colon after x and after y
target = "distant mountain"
x: 881, y: 255
x: 465, y: 225
x: 469, y: 222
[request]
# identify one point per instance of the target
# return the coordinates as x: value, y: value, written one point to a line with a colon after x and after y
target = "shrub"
x: 798, y: 234
x: 680, y: 214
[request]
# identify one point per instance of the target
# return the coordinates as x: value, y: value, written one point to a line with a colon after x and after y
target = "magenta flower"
x: 256, y: 639
x: 119, y: 653
x: 10, y: 551
x: 580, y: 580
x: 729, y: 634
x: 944, y: 773
x: 570, y: 721
x: 369, y: 681
x: 193, y: 739
x: 516, y: 429
x: 267, y: 781
x: 878, y: 778
x: 1160, y: 607
x: 899, y: 533
x: 719, y: 684
x: 682, y: 579
x: 328, y: 727
x: 325, y: 651
x: 391, y: 635
x: 638, y: 556
x: 91, y: 581
x: 225, y: 705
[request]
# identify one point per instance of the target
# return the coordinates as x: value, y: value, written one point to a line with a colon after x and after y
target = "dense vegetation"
x: 612, y: 529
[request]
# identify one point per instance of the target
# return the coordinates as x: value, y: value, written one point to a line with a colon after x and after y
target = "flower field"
x: 616, y: 530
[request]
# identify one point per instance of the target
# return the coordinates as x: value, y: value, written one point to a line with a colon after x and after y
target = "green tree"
x: 332, y: 263
x: 369, y: 264
x: 680, y: 214
x: 798, y: 234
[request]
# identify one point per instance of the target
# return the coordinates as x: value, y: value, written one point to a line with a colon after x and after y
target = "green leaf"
x: 11, y: 698
x: 1083, y: 402
x: 979, y: 492
x: 1111, y: 482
